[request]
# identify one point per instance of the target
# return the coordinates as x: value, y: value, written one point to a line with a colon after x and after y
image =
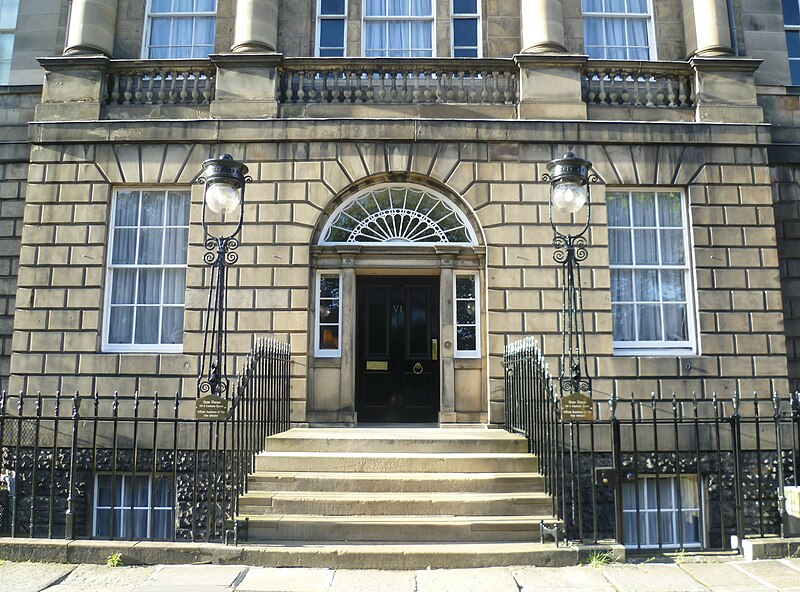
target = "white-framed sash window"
x: 667, y: 503
x: 398, y: 29
x: 327, y: 315
x: 619, y: 29
x: 142, y: 506
x: 466, y: 29
x: 331, y: 28
x: 651, y: 277
x: 466, y: 300
x: 8, y: 25
x: 179, y: 29
x: 146, y: 281
x: 791, y: 19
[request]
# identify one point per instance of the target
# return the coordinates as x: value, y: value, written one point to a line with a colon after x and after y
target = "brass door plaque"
x: 211, y: 407
x: 377, y: 365
x: 577, y: 407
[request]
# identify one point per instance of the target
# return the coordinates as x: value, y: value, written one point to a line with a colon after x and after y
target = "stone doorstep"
x: 299, y: 554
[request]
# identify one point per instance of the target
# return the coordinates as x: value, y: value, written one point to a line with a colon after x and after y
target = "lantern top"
x: 224, y: 169
x: 569, y: 169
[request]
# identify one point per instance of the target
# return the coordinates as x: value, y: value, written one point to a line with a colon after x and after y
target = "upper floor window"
x: 791, y: 18
x: 8, y: 23
x: 466, y: 37
x: 180, y: 28
x: 146, y: 271
x: 651, y: 281
x: 398, y: 29
x: 618, y: 29
x: 331, y: 25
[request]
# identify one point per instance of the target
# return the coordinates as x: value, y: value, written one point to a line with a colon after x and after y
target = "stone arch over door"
x: 396, y: 224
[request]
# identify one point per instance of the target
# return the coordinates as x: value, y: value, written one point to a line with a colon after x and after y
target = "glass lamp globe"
x: 222, y: 198
x: 569, y: 197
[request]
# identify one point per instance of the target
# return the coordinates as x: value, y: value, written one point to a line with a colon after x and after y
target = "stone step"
x: 411, y: 529
x: 380, y: 504
x: 412, y: 462
x: 396, y: 440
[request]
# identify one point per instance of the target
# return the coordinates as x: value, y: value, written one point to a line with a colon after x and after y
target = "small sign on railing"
x: 211, y: 407
x: 577, y: 407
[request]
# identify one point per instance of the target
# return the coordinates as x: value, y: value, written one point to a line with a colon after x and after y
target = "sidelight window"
x: 328, y: 319
x: 467, y: 316
x: 651, y: 280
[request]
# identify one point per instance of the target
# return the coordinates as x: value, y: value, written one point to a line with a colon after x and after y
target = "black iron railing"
x: 137, y: 467
x: 654, y: 472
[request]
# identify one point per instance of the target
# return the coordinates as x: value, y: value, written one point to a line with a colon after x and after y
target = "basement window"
x: 663, y: 509
x: 141, y: 507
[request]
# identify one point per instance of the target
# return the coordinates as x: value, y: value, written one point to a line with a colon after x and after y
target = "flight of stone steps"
x: 398, y: 498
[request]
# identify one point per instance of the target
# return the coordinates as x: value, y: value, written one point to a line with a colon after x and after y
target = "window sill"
x: 654, y: 352
x: 146, y: 349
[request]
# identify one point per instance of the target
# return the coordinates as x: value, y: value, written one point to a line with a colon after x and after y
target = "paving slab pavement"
x: 91, y: 578
x: 286, y: 579
x: 723, y: 577
x: 651, y: 578
x: 583, y: 578
x: 495, y: 579
x: 777, y: 573
x: 31, y: 577
x: 192, y: 578
x: 351, y: 580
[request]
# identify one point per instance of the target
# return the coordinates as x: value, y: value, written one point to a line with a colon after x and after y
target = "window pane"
x: 331, y: 33
x: 637, y: 6
x: 103, y: 523
x: 329, y: 311
x: 615, y: 32
x: 465, y: 339
x: 104, y: 491
x: 8, y: 14
x: 172, y: 325
x: 794, y: 68
x: 672, y: 251
x: 421, y: 8
x: 465, y: 287
x: 150, y: 246
x: 205, y: 5
x: 176, y: 243
x: 593, y: 31
x: 637, y: 32
x: 162, y: 524
x: 669, y: 210
x: 644, y: 209
x: 329, y: 337
x: 204, y: 31
x: 421, y: 37
x: 646, y: 285
x: 615, y: 5
x: 374, y: 7
x: 332, y: 7
x: 182, y: 5
x: 639, y: 54
x: 152, y: 209
x: 624, y: 328
x: 592, y: 5
x: 124, y: 252
x: 161, y: 6
x: 399, y: 8
x: 465, y: 32
x: 619, y: 247
x: 465, y: 312
x: 121, y: 324
x: 177, y: 208
x: 465, y: 6
x: 649, y: 321
x: 672, y: 285
x: 123, y: 286
x: 329, y: 286
x: 646, y: 247
x: 793, y: 43
x: 621, y: 285
x: 146, y: 325
x: 676, y: 325
x: 174, y: 286
x: 375, y: 33
x: 618, y: 210
x: 149, y: 291
x: 126, y: 209
x: 791, y: 12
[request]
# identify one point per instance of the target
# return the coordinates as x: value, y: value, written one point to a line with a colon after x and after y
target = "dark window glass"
x: 465, y: 339
x: 465, y: 32
x: 332, y: 7
x: 331, y: 33
x: 794, y: 68
x: 465, y: 6
x: 791, y: 13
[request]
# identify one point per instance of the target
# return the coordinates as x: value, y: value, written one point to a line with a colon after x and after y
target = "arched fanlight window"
x: 398, y: 214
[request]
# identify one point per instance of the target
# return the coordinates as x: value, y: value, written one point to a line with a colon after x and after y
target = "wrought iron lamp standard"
x: 224, y: 179
x: 569, y: 178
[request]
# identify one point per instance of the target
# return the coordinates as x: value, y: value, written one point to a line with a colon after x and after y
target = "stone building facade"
x: 695, y: 128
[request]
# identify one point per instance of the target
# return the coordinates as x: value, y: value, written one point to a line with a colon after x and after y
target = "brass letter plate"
x: 377, y: 365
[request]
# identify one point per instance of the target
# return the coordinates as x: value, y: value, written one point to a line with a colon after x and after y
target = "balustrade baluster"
x: 347, y: 96
x: 462, y: 91
x: 162, y: 87
x: 150, y: 84
x: 601, y: 95
x: 195, y: 90
x: 682, y: 96
x: 184, y: 86
x: 613, y: 95
x: 495, y: 87
x: 649, y: 90
x: 301, y: 92
x: 637, y: 98
x: 138, y: 94
x: 510, y: 86
x: 393, y: 94
x: 172, y: 86
x: 115, y: 89
x: 625, y: 92
x: 661, y: 94
x: 370, y: 86
x: 209, y: 88
x: 428, y: 81
x: 671, y: 91
x: 591, y: 88
x: 128, y: 94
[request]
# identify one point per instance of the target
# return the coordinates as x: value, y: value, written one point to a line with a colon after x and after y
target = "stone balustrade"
x: 638, y: 84
x: 174, y: 82
x: 255, y: 86
x: 398, y: 81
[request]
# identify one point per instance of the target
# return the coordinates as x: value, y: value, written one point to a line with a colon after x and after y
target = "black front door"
x: 397, y: 376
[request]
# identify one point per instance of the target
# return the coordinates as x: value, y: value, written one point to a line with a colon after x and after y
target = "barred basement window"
x: 327, y: 317
x: 678, y: 515
x: 397, y: 215
x: 147, y: 271
x: 142, y: 506
x: 467, y: 310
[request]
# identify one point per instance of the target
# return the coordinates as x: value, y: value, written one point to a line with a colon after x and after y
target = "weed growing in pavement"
x: 114, y: 560
x: 599, y: 559
x: 680, y: 557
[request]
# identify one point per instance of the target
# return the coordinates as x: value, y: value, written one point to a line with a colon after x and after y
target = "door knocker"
x: 417, y: 368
